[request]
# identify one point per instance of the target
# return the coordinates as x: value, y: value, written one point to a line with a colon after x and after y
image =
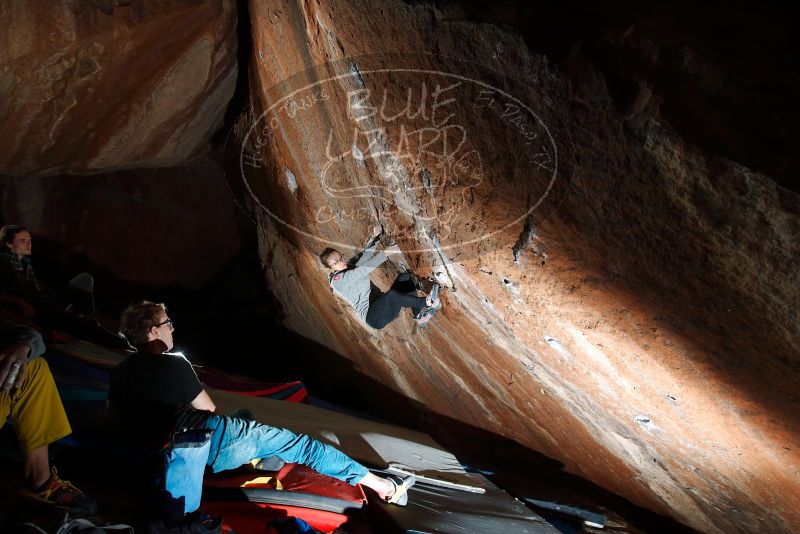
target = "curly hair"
x: 138, y: 319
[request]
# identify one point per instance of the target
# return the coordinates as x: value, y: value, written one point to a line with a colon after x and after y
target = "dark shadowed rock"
x: 89, y: 86
x: 142, y: 227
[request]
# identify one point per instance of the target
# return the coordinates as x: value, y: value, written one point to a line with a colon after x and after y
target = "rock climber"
x: 353, y: 284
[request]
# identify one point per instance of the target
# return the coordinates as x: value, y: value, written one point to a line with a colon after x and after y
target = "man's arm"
x: 368, y: 252
x: 22, y: 344
x: 186, y: 380
x: 373, y: 262
x: 23, y: 335
x: 381, y: 257
x: 13, y: 333
x: 203, y: 402
x: 372, y: 245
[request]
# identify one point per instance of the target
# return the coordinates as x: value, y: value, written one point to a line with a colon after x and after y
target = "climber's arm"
x: 379, y: 258
x: 370, y: 252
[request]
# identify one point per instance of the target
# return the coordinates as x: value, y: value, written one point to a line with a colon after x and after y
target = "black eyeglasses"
x: 168, y: 321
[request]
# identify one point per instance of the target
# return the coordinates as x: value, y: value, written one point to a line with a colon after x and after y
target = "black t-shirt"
x: 152, y: 395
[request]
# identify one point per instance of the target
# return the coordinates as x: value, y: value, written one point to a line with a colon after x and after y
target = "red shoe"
x: 63, y: 495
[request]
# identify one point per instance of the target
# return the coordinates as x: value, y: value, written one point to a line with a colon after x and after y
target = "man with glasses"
x: 353, y: 284
x: 157, y: 395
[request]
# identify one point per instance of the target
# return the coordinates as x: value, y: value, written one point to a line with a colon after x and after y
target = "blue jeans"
x: 234, y: 442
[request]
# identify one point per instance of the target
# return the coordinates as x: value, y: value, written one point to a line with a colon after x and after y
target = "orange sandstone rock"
x: 625, y: 303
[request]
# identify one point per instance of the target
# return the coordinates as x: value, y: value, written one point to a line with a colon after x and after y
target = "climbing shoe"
x: 425, y: 316
x: 63, y: 495
x: 432, y: 300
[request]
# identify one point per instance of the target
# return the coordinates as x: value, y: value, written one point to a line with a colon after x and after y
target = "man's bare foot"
x: 401, y: 485
x: 383, y: 487
x: 392, y: 489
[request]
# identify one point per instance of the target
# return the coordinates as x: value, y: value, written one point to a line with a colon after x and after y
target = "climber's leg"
x: 386, y: 308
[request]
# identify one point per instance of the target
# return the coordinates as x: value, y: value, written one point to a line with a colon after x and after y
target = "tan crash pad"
x: 374, y: 444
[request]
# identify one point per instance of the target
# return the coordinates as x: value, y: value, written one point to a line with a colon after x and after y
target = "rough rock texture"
x: 639, y: 324
x: 142, y: 227
x: 726, y: 78
x: 89, y: 86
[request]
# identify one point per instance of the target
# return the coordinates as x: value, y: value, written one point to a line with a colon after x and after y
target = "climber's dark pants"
x: 385, y: 309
